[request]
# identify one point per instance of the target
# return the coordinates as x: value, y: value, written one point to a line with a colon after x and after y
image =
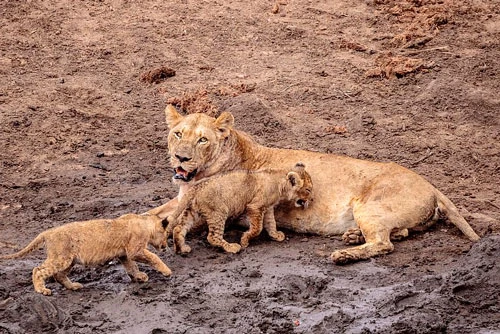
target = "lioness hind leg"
x: 399, y: 234
x: 270, y: 226
x: 372, y: 247
x: 376, y: 230
x: 353, y: 236
x: 216, y: 235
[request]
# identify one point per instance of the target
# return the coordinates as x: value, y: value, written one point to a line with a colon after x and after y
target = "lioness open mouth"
x: 181, y: 174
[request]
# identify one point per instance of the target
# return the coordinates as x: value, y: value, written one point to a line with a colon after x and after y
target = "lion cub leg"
x: 62, y: 278
x: 153, y: 260
x: 50, y: 267
x: 255, y: 215
x: 133, y: 270
x: 179, y: 237
x: 270, y: 226
x: 216, y: 234
x: 184, y: 224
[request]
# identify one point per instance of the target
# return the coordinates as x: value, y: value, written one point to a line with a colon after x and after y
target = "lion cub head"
x: 158, y: 237
x: 195, y: 141
x: 300, y: 186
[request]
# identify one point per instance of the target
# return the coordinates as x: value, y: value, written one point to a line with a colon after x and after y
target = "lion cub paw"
x: 141, y: 277
x: 44, y: 291
x: 342, y: 257
x: 166, y: 271
x: 278, y: 236
x: 184, y: 249
x: 353, y: 236
x: 232, y: 248
x: 75, y: 286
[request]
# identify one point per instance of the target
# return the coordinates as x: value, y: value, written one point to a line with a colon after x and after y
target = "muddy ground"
x: 82, y: 136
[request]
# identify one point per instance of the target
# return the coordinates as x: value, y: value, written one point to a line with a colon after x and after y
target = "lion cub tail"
x: 451, y: 211
x: 35, y: 244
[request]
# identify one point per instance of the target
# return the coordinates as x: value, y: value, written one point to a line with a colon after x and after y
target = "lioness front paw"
x: 353, y: 236
x: 342, y: 257
x: 232, y: 248
x: 141, y: 277
x: 278, y: 236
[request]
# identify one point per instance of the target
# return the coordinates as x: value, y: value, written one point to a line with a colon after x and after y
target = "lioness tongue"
x: 181, y: 172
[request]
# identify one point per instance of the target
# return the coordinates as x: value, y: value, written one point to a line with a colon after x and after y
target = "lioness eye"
x: 178, y: 134
x: 202, y: 140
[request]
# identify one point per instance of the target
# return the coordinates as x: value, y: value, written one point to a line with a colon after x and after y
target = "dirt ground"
x: 82, y: 135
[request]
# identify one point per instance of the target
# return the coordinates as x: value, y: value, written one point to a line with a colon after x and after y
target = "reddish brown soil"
x: 82, y: 135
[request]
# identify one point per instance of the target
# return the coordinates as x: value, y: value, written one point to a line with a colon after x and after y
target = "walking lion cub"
x: 254, y: 193
x: 95, y: 242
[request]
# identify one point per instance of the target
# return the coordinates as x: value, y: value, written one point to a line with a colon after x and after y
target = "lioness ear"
x: 225, y: 123
x: 294, y: 179
x: 172, y: 117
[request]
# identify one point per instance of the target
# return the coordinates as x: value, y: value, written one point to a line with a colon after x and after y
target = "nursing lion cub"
x: 214, y: 200
x: 95, y: 242
x: 367, y: 202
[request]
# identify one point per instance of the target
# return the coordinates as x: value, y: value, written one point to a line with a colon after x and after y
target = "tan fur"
x: 213, y: 200
x: 354, y: 196
x: 94, y: 242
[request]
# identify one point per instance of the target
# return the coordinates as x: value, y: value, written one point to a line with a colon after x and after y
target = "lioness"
x: 352, y: 197
x: 95, y: 242
x: 226, y: 195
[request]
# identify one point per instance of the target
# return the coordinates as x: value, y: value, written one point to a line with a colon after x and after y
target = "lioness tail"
x: 451, y: 211
x: 26, y: 250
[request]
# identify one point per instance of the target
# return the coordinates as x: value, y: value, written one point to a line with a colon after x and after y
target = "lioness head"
x: 195, y: 141
x: 158, y: 238
x: 300, y: 186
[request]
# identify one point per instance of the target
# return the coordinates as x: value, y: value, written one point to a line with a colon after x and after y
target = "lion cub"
x: 254, y: 193
x: 94, y: 242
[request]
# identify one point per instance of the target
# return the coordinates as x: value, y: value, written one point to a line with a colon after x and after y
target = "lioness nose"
x: 181, y: 158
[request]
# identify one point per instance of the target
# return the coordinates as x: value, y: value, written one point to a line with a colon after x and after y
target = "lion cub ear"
x: 225, y: 123
x: 299, y: 166
x: 294, y: 179
x: 164, y: 223
x: 172, y: 116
